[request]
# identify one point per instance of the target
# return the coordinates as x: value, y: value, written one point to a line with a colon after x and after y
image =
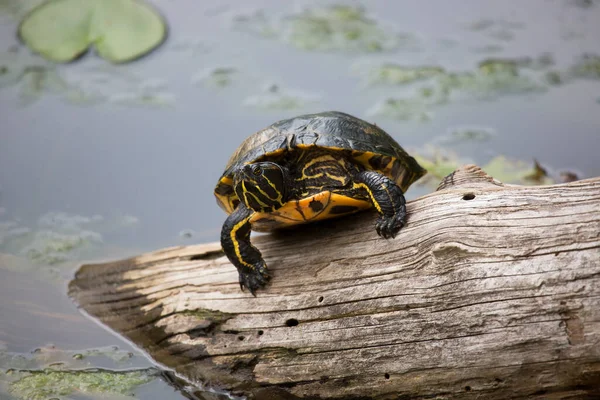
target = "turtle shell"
x: 363, y: 142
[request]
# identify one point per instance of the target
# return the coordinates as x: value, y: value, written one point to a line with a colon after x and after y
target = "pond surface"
x: 100, y: 162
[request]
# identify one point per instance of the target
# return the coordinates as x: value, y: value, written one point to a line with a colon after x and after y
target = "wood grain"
x: 490, y: 292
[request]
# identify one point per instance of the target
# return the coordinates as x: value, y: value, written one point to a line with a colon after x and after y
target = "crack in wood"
x: 495, y: 297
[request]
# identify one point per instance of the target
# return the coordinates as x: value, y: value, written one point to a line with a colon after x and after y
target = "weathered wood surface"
x: 489, y: 292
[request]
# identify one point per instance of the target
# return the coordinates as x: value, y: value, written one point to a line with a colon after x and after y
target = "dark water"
x: 142, y: 174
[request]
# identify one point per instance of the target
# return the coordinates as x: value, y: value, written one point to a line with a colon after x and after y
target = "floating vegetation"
x: 538, y: 174
x: 467, y: 134
x: 502, y: 34
x: 58, y: 238
x: 555, y: 78
x: 587, y: 67
x: 490, y: 48
x: 585, y: 4
x: 49, y: 247
x: 568, y: 176
x: 408, y: 109
x: 331, y: 28
x: 55, y: 358
x: 275, y: 98
x: 190, y: 45
x: 517, y: 172
x: 17, y: 9
x: 35, y: 77
x: 258, y: 24
x: 50, y: 372
x: 395, y: 74
x: 491, y: 79
x: 187, y: 234
x: 440, y: 162
x: 119, y: 30
x: 32, y: 74
x: 498, y: 66
x: 216, y: 77
x: 501, y: 30
x: 41, y: 385
x: 488, y: 83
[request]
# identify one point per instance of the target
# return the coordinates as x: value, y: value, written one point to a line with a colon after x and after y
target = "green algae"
x: 587, y: 67
x: 491, y: 79
x: 32, y: 75
x: 58, y: 239
x: 40, y: 385
x: 403, y: 109
x: 216, y: 77
x: 496, y: 29
x: 51, y: 357
x: 467, y: 134
x: 440, y: 162
x: 49, y: 372
x: 35, y: 77
x: 330, y: 28
x: 338, y: 27
x: 517, y: 172
x: 395, y: 74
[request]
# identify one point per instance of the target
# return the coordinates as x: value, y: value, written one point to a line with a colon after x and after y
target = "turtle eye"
x: 256, y: 170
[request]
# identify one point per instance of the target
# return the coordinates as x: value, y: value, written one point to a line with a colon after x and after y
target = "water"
x: 142, y: 174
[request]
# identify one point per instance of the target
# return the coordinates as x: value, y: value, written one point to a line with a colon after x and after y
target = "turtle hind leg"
x: 235, y: 240
x: 388, y: 200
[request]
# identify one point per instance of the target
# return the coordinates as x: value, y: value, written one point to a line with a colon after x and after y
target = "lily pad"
x: 120, y: 30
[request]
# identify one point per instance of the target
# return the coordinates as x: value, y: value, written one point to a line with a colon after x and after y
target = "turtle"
x: 306, y: 169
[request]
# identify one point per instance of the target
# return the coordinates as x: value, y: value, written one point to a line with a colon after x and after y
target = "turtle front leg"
x: 387, y: 198
x: 235, y: 240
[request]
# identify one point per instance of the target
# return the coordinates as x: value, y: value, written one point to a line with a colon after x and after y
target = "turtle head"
x: 262, y: 186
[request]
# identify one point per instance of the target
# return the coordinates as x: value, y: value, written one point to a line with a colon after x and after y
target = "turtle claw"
x: 388, y: 227
x: 254, y: 279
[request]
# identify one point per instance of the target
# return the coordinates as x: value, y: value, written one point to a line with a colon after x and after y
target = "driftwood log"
x: 490, y: 292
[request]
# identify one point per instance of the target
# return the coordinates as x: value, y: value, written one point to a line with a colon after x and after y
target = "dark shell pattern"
x: 366, y: 143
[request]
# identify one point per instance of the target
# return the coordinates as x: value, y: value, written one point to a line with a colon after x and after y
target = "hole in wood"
x: 468, y: 388
x: 209, y: 255
x: 468, y: 196
x: 291, y: 322
x: 240, y: 338
x: 387, y: 376
x: 260, y: 333
x: 320, y: 299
